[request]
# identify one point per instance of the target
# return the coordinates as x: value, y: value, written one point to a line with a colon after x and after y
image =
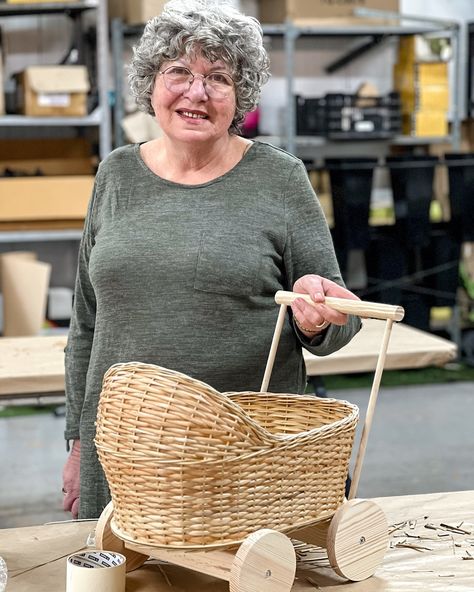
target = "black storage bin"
x: 386, y: 265
x: 441, y: 266
x: 417, y: 310
x: 461, y: 194
x: 351, y: 189
x: 310, y: 116
x: 412, y: 187
x: 354, y: 117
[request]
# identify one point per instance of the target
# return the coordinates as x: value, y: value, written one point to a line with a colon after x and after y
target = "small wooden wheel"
x: 265, y: 561
x: 357, y: 539
x: 107, y: 540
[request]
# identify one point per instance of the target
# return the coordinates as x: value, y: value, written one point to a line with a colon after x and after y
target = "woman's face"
x: 192, y: 115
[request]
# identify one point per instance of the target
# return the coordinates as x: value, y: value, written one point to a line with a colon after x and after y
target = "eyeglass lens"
x: 179, y: 79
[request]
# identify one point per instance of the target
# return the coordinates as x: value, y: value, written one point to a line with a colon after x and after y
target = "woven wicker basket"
x: 189, y: 467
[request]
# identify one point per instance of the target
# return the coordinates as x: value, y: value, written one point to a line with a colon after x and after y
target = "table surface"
x: 30, y: 365
x: 35, y: 556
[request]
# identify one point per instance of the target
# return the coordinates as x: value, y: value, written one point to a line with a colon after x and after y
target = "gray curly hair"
x: 217, y: 32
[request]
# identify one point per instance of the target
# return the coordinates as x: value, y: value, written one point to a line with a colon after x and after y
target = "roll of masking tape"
x: 95, y: 571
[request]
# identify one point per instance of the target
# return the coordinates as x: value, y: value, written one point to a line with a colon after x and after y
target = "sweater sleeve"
x: 309, y: 250
x: 81, y: 330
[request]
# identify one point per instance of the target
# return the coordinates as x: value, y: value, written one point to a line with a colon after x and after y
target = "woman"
x: 189, y: 236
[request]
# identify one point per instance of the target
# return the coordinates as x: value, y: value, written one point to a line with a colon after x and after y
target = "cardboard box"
x: 35, y: 1
x: 407, y: 75
x: 138, y: 12
x: 26, y: 199
x: 425, y: 124
x: 277, y: 11
x: 58, y: 156
x: 2, y: 85
x: 117, y: 9
x: 432, y: 97
x: 54, y: 91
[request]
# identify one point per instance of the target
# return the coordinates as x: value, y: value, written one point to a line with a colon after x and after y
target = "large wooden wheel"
x: 357, y: 539
x: 107, y: 540
x: 264, y: 562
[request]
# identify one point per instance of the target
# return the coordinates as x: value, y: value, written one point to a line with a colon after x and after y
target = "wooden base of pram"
x: 356, y: 538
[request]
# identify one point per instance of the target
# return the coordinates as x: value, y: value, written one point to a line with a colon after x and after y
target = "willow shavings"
x: 455, y: 529
x: 397, y: 526
x: 447, y: 527
x: 416, y: 536
x: 446, y: 575
x: 24, y: 571
x: 410, y: 523
x: 312, y: 582
x: 165, y: 576
x: 413, y: 546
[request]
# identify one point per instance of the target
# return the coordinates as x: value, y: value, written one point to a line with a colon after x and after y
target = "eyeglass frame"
x: 193, y: 77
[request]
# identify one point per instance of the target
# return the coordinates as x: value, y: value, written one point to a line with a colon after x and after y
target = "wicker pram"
x: 192, y: 469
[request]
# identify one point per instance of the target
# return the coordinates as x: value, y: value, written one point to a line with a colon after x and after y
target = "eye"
x: 220, y: 78
x: 178, y: 71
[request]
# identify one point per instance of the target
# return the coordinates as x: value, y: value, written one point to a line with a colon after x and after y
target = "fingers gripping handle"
x: 371, y: 310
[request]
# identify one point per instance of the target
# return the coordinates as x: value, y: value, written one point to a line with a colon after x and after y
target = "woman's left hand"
x: 312, y: 320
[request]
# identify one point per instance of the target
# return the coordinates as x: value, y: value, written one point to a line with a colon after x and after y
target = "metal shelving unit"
x: 120, y: 30
x: 291, y: 33
x: 32, y: 236
x: 408, y: 26
x: 100, y: 117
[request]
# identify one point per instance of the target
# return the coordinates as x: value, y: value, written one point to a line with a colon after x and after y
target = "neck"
x: 191, y: 158
x: 195, y: 163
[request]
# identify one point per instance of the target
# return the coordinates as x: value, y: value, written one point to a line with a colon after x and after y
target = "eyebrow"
x: 219, y: 67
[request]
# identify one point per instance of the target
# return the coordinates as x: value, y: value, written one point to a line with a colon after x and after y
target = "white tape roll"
x: 95, y: 571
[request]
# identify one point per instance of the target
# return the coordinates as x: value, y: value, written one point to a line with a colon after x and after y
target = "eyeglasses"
x: 178, y: 79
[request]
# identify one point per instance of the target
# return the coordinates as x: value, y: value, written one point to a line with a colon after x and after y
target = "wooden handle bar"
x: 371, y: 310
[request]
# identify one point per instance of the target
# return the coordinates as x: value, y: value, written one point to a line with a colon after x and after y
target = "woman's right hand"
x: 71, y: 480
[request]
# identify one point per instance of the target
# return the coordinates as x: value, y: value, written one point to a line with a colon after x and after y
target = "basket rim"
x: 268, y: 440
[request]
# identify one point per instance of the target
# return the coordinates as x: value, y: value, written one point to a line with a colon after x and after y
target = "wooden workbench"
x: 35, y: 365
x: 35, y: 556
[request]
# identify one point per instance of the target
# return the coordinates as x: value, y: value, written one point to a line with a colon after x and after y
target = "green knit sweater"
x: 184, y: 276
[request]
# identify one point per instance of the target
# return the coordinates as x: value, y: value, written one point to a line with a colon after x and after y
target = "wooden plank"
x: 31, y: 365
x: 36, y: 555
x: 36, y: 364
x: 408, y: 348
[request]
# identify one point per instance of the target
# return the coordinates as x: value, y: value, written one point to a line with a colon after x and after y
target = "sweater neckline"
x: 248, y: 155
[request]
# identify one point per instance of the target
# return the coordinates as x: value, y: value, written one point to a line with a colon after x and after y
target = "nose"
x: 197, y: 89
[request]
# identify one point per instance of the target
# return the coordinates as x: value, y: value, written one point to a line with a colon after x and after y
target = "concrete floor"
x: 422, y: 441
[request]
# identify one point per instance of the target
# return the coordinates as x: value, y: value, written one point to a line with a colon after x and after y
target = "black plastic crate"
x: 310, y: 116
x: 340, y: 116
x: 354, y: 117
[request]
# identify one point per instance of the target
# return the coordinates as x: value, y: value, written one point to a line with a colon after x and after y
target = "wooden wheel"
x: 265, y: 561
x: 107, y: 540
x: 357, y: 539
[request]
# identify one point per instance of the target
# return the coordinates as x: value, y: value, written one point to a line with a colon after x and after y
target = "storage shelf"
x: 315, y: 141
x: 46, y: 8
x: 30, y: 236
x: 90, y: 120
x: 355, y: 30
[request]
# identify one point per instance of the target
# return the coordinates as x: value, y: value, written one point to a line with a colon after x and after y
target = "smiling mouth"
x: 192, y: 114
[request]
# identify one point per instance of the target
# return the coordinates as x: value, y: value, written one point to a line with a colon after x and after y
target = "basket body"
x: 189, y: 467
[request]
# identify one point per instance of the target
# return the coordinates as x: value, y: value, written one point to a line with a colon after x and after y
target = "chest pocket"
x: 228, y: 264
